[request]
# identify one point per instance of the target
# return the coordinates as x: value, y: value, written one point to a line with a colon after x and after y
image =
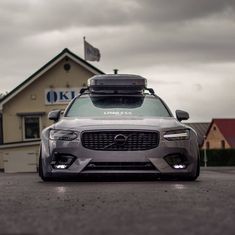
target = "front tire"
x: 193, y: 178
x: 40, y: 170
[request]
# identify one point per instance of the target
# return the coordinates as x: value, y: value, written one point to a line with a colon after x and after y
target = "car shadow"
x: 117, y: 178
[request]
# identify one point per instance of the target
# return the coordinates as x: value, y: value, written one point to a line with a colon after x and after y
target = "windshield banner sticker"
x: 117, y: 113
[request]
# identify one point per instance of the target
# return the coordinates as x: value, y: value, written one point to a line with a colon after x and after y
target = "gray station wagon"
x: 117, y: 125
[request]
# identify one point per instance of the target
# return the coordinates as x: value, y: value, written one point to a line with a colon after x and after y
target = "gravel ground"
x: 207, y: 206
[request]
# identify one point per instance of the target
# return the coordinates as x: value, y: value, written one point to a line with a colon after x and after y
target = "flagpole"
x: 84, y: 39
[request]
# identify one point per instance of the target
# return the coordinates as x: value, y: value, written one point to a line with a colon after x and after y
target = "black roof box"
x: 117, y: 83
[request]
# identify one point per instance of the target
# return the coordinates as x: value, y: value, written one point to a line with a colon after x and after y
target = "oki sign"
x: 60, y: 95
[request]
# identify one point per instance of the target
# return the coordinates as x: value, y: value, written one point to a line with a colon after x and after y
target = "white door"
x: 19, y: 161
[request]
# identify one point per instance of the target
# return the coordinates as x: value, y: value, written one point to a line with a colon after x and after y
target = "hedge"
x: 218, y: 157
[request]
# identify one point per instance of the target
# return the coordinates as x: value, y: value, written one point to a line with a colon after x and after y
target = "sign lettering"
x: 60, y: 95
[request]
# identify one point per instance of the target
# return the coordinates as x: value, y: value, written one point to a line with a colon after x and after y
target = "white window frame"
x: 23, y: 126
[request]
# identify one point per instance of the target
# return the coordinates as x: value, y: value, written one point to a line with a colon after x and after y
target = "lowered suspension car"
x: 118, y: 126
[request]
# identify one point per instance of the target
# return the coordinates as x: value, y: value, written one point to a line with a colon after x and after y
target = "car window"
x: 101, y: 106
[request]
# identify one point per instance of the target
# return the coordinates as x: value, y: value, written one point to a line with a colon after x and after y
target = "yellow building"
x: 23, y: 112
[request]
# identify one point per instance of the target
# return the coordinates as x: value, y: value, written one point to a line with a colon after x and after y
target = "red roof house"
x: 220, y: 134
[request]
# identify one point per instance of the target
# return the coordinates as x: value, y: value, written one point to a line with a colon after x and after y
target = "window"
x: 222, y: 144
x: 208, y: 145
x: 31, y: 125
x: 214, y: 128
x: 106, y: 106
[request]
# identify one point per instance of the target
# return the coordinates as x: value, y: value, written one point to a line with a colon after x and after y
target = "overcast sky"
x: 185, y: 48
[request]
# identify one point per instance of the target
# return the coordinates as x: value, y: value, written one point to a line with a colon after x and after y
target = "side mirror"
x: 181, y: 115
x: 54, y: 115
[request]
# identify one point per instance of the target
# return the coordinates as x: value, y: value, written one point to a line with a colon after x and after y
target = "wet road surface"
x: 207, y: 206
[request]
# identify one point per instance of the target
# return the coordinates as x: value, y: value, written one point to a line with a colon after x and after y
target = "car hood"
x: 114, y: 123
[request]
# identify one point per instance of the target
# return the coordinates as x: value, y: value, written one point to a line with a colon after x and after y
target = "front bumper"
x: 84, y: 158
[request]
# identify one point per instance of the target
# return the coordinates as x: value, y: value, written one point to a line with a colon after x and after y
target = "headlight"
x: 63, y: 135
x: 177, y: 135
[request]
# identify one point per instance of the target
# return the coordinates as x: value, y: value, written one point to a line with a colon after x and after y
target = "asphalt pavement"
x: 129, y: 206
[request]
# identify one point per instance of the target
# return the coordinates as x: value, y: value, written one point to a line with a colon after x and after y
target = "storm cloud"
x: 184, y: 47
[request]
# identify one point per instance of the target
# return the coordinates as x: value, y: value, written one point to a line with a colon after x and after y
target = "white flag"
x: 91, y: 53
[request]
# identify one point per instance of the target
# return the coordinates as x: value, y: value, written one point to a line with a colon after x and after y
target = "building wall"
x: 215, y: 138
x: 1, y: 160
x: 1, y: 133
x: 56, y: 77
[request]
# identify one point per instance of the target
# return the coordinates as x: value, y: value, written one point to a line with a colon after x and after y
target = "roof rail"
x: 151, y: 91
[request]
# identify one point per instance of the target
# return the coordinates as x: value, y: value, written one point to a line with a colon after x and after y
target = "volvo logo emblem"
x: 120, y: 139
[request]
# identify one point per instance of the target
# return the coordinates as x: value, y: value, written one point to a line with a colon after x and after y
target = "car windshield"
x: 106, y: 106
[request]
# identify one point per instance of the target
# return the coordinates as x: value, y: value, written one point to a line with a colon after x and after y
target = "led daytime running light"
x: 63, y: 135
x: 177, y: 135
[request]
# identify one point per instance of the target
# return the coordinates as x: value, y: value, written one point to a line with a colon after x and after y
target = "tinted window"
x: 100, y: 106
x: 32, y: 127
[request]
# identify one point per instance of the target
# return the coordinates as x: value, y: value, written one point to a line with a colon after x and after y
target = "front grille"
x: 130, y: 166
x: 120, y: 140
